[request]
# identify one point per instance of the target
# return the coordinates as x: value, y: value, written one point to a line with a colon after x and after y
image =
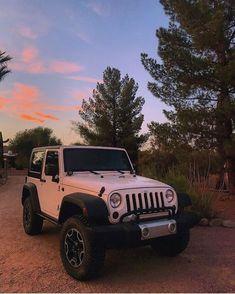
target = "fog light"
x: 145, y: 232
x: 115, y: 215
x: 172, y: 227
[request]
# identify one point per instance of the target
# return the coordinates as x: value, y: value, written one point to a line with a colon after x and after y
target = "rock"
x: 215, y: 222
x: 204, y: 222
x: 228, y: 223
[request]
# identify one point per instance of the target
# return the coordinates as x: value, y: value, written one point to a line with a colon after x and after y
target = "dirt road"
x: 32, y: 264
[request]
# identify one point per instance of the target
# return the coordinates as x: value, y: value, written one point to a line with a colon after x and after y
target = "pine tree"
x: 112, y: 117
x: 198, y: 70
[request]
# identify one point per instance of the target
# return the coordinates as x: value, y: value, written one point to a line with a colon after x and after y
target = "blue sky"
x: 60, y: 50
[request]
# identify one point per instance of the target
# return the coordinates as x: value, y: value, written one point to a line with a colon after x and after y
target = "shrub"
x: 202, y: 198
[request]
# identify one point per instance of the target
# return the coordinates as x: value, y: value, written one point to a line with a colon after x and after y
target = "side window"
x: 52, y: 163
x: 36, y: 162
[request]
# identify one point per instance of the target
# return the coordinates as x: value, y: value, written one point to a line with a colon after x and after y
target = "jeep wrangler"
x: 95, y: 195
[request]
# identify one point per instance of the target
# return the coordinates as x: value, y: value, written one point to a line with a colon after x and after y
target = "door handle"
x: 43, y: 180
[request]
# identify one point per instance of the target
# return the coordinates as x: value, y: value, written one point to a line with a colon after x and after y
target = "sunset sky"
x: 60, y: 50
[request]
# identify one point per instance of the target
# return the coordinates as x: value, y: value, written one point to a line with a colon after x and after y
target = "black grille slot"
x: 156, y: 196
x: 146, y: 201
x: 151, y: 199
x: 134, y: 201
x: 140, y: 201
x: 161, y: 195
x: 128, y: 202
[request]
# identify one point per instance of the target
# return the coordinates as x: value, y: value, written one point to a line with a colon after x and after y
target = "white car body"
x: 51, y: 193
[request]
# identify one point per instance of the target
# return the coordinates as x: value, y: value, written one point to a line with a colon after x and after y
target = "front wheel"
x: 81, y: 256
x: 31, y: 221
x: 171, y: 245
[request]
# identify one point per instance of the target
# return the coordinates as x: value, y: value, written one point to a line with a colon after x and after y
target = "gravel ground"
x: 32, y: 264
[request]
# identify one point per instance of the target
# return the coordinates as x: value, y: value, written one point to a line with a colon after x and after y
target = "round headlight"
x: 115, y: 200
x: 170, y: 195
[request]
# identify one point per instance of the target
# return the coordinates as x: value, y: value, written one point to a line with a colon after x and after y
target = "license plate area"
x: 154, y: 229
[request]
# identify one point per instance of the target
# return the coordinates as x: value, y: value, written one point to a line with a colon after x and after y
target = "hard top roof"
x: 75, y: 146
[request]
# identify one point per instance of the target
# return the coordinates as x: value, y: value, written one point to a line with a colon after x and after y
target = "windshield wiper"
x: 120, y: 171
x: 93, y: 172
x: 70, y: 172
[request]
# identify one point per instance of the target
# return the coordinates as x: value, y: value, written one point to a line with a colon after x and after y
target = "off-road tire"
x: 32, y: 222
x: 91, y: 254
x: 171, y: 245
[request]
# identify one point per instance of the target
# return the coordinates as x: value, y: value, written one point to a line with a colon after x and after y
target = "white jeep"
x: 94, y: 193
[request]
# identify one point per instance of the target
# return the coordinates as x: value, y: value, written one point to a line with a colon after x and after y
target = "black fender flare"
x: 92, y: 207
x: 30, y: 190
x: 184, y: 200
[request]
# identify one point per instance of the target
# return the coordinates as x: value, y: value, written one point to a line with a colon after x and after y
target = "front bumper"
x: 136, y: 234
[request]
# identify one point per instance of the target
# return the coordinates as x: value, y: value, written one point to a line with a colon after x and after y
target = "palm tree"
x: 3, y: 64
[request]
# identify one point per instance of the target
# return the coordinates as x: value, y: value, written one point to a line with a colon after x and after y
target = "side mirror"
x: 55, y: 178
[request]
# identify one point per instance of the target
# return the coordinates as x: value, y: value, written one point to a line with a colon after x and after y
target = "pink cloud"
x: 27, y: 32
x: 31, y: 62
x: 29, y: 54
x: 24, y: 92
x: 33, y: 67
x: 47, y: 116
x: 3, y: 103
x: 24, y: 102
x: 60, y: 107
x: 28, y: 117
x: 59, y: 66
x: 85, y: 79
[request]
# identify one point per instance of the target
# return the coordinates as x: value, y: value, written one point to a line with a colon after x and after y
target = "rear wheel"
x: 81, y: 256
x: 31, y: 221
x: 171, y: 245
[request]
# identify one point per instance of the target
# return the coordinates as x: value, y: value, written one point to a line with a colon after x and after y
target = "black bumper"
x: 129, y: 234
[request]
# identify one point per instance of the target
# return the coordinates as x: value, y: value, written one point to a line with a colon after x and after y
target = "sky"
x: 60, y: 50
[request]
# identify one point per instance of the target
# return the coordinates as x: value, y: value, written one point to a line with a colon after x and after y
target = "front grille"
x: 147, y: 201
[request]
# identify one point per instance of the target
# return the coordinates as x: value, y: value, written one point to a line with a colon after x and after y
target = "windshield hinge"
x: 101, y: 191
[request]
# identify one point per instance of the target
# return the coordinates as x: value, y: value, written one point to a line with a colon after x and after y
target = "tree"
x: 3, y: 71
x: 197, y: 73
x: 112, y: 117
x: 3, y: 64
x: 26, y: 140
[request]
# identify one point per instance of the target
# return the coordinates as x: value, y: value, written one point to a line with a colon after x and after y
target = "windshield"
x: 93, y: 159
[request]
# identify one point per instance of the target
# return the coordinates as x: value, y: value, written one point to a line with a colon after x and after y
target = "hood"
x: 111, y: 182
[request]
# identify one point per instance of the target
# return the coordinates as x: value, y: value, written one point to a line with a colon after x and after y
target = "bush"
x: 178, y: 181
x: 202, y: 199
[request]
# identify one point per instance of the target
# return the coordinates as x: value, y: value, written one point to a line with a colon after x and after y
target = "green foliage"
x: 3, y: 64
x: 25, y: 141
x: 202, y: 198
x: 177, y: 180
x: 112, y: 117
x: 197, y: 76
x: 155, y: 163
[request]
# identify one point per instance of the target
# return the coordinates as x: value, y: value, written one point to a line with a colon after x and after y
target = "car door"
x: 50, y: 179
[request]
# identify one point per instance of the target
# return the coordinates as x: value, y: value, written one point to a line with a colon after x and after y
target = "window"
x: 86, y: 159
x: 52, y: 159
x: 36, y: 162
